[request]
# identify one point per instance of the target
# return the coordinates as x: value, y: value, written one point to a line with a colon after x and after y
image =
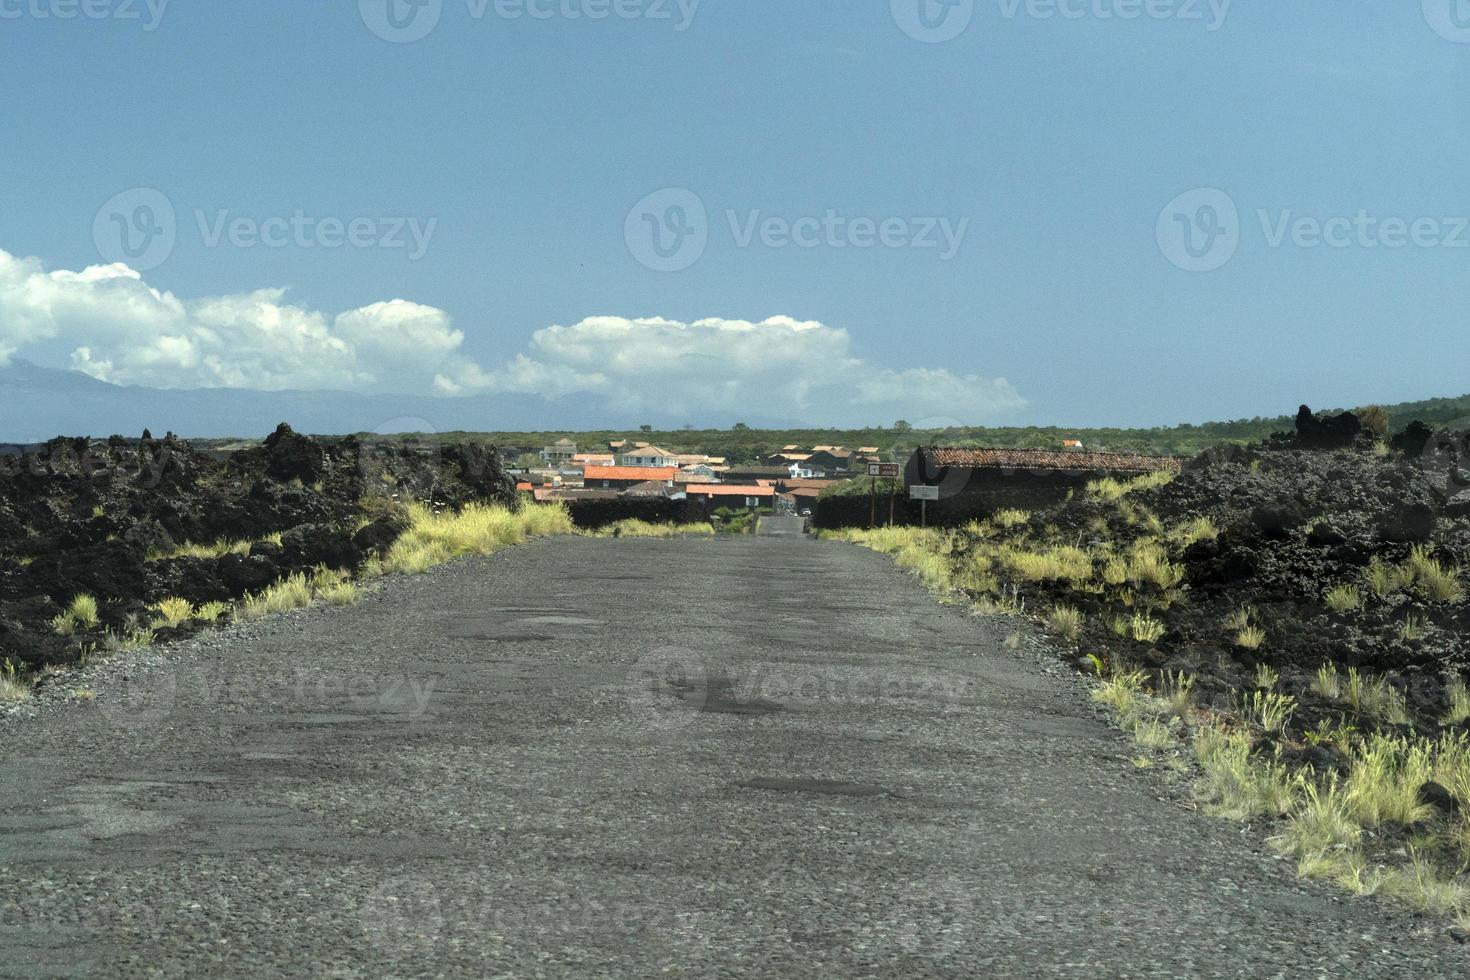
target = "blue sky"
x: 1054, y: 142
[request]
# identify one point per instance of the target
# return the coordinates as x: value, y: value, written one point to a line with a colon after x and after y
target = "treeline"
x: 745, y: 445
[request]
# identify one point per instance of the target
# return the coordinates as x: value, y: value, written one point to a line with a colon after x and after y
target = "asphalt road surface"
x: 758, y: 757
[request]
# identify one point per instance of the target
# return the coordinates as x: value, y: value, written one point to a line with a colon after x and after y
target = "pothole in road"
x: 823, y: 787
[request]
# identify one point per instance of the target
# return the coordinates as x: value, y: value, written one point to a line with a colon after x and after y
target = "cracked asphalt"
x: 755, y: 757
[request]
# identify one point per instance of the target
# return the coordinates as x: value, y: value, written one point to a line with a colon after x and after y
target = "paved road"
x: 755, y: 757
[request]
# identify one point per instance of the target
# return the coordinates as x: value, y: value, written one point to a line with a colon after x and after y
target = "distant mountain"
x: 38, y: 403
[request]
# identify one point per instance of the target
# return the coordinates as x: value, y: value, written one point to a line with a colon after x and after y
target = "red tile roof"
x: 726, y: 490
x: 634, y: 474
x: 1049, y: 459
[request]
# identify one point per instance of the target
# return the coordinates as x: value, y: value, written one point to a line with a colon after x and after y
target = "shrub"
x: 1384, y: 777
x: 1194, y: 531
x: 1240, y: 619
x: 211, y: 611
x: 292, y: 592
x: 1459, y: 698
x: 1250, y: 638
x: 1328, y: 682
x: 1375, y: 698
x: 13, y: 687
x: 1233, y: 785
x: 81, y: 613
x: 1265, y: 679
x: 1268, y: 710
x: 1344, y: 598
x: 341, y: 594
x: 477, y: 529
x: 174, y: 611
x: 1008, y: 518
x: 1145, y: 629
x: 634, y: 528
x: 1382, y: 579
x: 1177, y: 693
x: 1066, y: 621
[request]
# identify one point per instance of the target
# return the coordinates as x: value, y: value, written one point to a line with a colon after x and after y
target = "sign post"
x: 888, y: 471
x: 924, y: 495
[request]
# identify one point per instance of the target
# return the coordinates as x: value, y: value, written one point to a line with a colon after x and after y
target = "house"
x: 831, y: 459
x: 712, y: 496
x: 975, y: 482
x: 648, y: 456
x: 1073, y: 445
x: 623, y: 477
x: 594, y: 459
x: 561, y: 452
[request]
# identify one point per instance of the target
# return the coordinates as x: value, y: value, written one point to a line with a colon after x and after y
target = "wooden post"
x: 873, y: 504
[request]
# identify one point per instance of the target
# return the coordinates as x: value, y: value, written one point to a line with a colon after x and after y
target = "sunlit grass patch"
x: 477, y: 529
x: 1194, y: 531
x: 1008, y: 518
x: 1234, y: 785
x: 1176, y: 692
x: 1250, y: 638
x: 1268, y: 710
x: 340, y: 594
x: 1344, y: 598
x: 1375, y: 697
x: 80, y: 613
x: 14, y: 687
x: 1459, y: 698
x: 292, y: 592
x: 173, y: 611
x: 1146, y: 629
x: 1110, y: 488
x: 1066, y: 621
x: 634, y: 528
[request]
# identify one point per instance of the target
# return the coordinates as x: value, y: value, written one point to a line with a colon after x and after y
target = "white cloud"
x: 117, y: 328
x: 120, y: 329
x: 775, y: 368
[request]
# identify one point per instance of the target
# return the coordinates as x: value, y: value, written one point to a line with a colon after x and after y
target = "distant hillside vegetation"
x: 745, y: 445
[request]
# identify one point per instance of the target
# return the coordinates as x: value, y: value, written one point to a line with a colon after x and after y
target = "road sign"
x: 888, y: 471
x: 923, y: 493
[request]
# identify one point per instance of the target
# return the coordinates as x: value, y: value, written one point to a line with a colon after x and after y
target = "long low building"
x: 713, y: 495
x: 973, y: 482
